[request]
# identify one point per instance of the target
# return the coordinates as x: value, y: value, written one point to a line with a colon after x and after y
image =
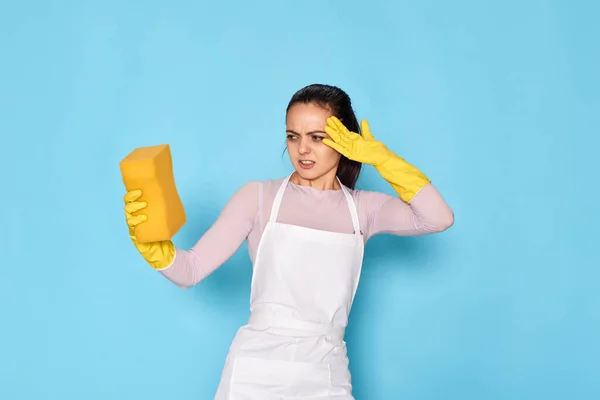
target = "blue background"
x: 498, y: 103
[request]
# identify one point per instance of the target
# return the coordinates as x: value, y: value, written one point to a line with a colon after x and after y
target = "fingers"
x: 337, y: 147
x: 337, y: 131
x: 335, y: 123
x: 132, y: 195
x: 136, y: 220
x: 334, y: 134
x: 135, y: 206
x: 365, y: 130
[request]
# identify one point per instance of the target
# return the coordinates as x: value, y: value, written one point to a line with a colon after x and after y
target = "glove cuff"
x: 406, y: 179
x: 161, y: 255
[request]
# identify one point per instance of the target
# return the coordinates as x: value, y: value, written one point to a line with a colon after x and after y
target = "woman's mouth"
x: 305, y: 164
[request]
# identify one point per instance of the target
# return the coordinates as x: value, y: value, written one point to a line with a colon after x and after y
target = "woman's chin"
x: 308, y: 174
x: 311, y: 174
x: 313, y: 171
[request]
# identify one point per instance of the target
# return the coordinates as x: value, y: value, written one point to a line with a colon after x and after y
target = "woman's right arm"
x: 186, y: 268
x: 219, y: 242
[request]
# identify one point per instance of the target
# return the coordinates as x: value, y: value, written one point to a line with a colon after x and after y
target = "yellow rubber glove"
x: 404, y: 178
x: 158, y: 254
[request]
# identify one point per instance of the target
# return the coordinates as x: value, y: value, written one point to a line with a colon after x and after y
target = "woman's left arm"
x: 427, y: 213
x: 419, y: 209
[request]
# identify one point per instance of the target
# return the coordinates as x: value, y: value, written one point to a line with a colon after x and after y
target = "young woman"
x: 306, y: 234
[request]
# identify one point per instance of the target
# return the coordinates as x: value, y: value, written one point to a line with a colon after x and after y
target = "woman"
x: 306, y: 235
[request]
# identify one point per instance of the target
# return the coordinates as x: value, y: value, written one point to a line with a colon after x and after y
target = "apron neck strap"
x: 278, y: 198
x: 353, y: 209
x: 349, y: 200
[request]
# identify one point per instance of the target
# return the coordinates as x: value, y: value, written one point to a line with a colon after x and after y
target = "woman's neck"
x: 325, y: 182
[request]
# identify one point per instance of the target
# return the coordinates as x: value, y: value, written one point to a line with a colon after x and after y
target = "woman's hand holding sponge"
x: 153, y: 210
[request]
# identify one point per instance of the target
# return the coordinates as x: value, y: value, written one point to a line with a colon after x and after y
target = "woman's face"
x: 310, y: 157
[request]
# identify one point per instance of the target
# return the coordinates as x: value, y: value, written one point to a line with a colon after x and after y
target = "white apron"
x: 303, y: 286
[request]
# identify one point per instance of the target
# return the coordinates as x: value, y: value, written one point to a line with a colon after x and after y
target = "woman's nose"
x: 304, y: 147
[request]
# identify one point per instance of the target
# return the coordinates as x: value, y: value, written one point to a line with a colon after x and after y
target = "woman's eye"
x: 291, y: 137
x: 319, y: 138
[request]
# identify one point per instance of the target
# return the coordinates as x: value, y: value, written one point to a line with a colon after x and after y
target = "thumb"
x: 365, y: 130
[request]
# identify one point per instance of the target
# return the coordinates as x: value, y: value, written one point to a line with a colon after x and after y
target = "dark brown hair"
x: 338, y: 103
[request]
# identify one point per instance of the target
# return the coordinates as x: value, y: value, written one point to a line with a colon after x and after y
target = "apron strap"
x: 277, y: 201
x: 353, y: 210
x: 349, y: 200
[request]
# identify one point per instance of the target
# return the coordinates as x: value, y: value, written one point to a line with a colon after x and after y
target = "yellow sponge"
x: 150, y: 169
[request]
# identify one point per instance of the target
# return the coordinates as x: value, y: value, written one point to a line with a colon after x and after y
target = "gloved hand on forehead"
x: 406, y: 180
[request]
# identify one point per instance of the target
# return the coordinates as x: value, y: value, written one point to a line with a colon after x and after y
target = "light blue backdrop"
x: 497, y: 103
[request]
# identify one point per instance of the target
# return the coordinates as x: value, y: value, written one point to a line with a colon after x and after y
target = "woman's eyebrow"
x: 307, y: 133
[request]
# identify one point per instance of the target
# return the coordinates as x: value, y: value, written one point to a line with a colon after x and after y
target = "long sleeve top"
x: 247, y: 212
